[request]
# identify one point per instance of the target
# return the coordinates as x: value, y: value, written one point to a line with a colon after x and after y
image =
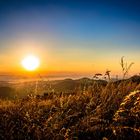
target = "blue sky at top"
x: 113, y: 22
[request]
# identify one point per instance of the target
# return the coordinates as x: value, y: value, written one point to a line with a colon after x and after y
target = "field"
x: 93, y: 110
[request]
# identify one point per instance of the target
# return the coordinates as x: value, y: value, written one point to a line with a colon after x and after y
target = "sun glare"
x: 30, y: 63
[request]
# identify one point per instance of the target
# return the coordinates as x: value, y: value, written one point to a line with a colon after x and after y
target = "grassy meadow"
x: 92, y: 110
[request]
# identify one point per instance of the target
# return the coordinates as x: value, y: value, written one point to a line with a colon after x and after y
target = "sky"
x: 81, y: 36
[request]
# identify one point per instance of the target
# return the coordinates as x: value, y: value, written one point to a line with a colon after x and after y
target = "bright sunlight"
x: 30, y: 62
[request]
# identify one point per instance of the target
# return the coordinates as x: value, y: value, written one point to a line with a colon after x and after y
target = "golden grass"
x: 98, y: 112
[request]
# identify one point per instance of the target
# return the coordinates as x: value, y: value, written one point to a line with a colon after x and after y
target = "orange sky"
x: 60, y: 59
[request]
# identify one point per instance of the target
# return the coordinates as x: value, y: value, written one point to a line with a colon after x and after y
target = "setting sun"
x: 30, y: 62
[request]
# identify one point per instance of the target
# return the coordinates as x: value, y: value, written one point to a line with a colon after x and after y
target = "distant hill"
x: 66, y: 85
x: 135, y: 79
x: 7, y: 92
x: 69, y: 85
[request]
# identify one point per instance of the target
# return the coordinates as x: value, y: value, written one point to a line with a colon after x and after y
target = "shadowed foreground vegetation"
x: 100, y: 111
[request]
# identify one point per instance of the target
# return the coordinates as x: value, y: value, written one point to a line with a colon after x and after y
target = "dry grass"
x: 99, y: 112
